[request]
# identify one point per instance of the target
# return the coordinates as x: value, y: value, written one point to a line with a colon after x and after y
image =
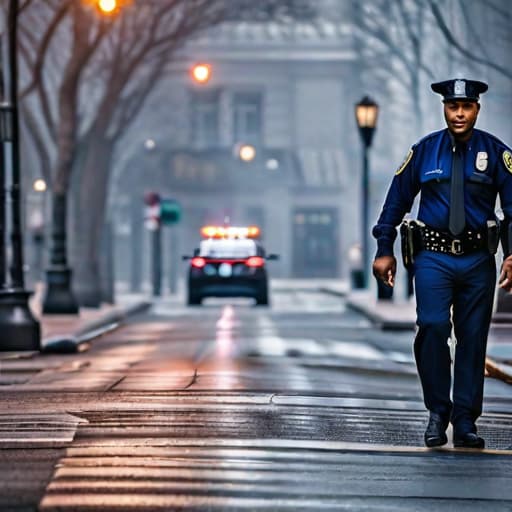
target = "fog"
x: 285, y: 83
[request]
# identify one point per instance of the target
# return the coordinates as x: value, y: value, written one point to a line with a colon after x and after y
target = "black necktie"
x: 457, y: 215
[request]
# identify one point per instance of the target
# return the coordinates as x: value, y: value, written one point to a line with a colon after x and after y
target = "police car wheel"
x: 194, y: 299
x: 262, y: 300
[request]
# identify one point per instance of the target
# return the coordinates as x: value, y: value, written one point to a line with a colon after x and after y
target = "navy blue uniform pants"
x: 467, y: 284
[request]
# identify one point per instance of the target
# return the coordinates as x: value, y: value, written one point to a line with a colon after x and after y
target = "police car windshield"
x: 237, y: 248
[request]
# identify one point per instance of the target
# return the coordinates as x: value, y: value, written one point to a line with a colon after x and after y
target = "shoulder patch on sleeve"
x: 408, y: 159
x: 507, y: 160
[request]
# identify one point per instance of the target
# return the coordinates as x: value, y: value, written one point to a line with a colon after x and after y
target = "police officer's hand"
x: 384, y: 269
x: 505, y: 280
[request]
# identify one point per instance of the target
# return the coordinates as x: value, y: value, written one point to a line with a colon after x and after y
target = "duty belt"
x: 441, y: 241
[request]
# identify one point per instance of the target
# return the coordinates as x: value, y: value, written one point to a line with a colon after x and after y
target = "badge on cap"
x: 481, y: 161
x: 405, y: 162
x: 507, y: 160
x: 459, y: 88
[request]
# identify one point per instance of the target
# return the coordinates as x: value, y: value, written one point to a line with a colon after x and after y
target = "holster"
x: 506, y: 236
x: 410, y: 236
x: 493, y: 236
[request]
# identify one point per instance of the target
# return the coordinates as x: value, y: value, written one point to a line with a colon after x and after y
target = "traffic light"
x: 160, y: 211
x: 170, y: 211
x: 151, y: 198
x: 152, y: 211
x: 201, y: 73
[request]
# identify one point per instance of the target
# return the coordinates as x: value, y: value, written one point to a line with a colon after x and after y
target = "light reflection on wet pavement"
x: 231, y: 407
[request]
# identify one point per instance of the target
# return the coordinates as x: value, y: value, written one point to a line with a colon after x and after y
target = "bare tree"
x: 479, y: 53
x: 104, y: 70
x: 73, y: 23
x: 405, y: 44
x: 391, y: 39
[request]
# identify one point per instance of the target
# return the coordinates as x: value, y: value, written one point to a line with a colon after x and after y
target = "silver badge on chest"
x: 481, y: 161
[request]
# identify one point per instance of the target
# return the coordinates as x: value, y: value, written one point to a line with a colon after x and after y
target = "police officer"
x: 459, y: 171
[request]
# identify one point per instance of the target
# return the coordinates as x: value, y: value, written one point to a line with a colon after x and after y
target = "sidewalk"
x: 387, y: 314
x: 401, y: 315
x: 69, y: 333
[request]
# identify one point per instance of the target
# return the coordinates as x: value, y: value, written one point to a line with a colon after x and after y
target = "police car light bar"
x: 230, y: 231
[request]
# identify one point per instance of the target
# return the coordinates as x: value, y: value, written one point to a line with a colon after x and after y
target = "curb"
x: 502, y: 318
x: 330, y: 291
x: 77, y: 342
x: 496, y: 371
x: 113, y: 317
x: 381, y: 321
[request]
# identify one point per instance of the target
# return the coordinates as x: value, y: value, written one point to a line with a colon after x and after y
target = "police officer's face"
x: 461, y: 117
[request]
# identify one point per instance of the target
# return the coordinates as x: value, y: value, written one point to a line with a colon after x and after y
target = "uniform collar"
x: 463, y: 145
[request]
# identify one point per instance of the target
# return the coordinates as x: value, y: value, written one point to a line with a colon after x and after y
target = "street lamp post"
x: 36, y: 224
x: 153, y: 223
x: 366, y: 116
x: 19, y: 330
x: 59, y: 297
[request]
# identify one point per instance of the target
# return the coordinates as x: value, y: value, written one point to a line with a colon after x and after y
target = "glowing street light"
x: 150, y: 144
x: 201, y: 73
x: 246, y: 152
x: 39, y: 185
x: 272, y: 164
x: 107, y: 6
x: 367, y: 112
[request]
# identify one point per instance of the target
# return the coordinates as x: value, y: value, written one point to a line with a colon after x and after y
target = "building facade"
x: 289, y: 92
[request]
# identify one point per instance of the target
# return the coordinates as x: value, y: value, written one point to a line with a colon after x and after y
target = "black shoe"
x: 435, y: 435
x: 468, y: 440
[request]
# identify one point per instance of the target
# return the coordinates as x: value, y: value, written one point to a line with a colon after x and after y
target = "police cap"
x: 460, y: 89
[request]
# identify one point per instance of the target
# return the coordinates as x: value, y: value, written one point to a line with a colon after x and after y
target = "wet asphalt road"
x: 301, y: 406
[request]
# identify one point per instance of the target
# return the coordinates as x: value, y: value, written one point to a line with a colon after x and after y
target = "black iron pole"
x: 173, y: 269
x: 19, y: 330
x: 17, y: 277
x: 366, y: 133
x: 156, y: 267
x: 383, y: 291
x: 59, y: 298
x: 3, y: 195
x: 136, y: 238
x: 364, y: 214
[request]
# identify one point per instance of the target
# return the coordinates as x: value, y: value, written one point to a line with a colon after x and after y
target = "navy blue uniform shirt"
x: 427, y: 168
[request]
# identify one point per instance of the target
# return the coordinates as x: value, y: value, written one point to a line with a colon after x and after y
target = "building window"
x: 255, y: 216
x: 315, y: 242
x: 205, y: 118
x: 247, y: 117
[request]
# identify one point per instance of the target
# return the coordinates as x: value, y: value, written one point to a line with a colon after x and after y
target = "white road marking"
x: 354, y: 349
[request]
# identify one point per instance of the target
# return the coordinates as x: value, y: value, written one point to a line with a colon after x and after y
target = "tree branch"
x: 446, y: 32
x: 43, y: 47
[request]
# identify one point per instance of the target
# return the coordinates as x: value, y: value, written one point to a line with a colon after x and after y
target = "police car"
x: 228, y: 263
